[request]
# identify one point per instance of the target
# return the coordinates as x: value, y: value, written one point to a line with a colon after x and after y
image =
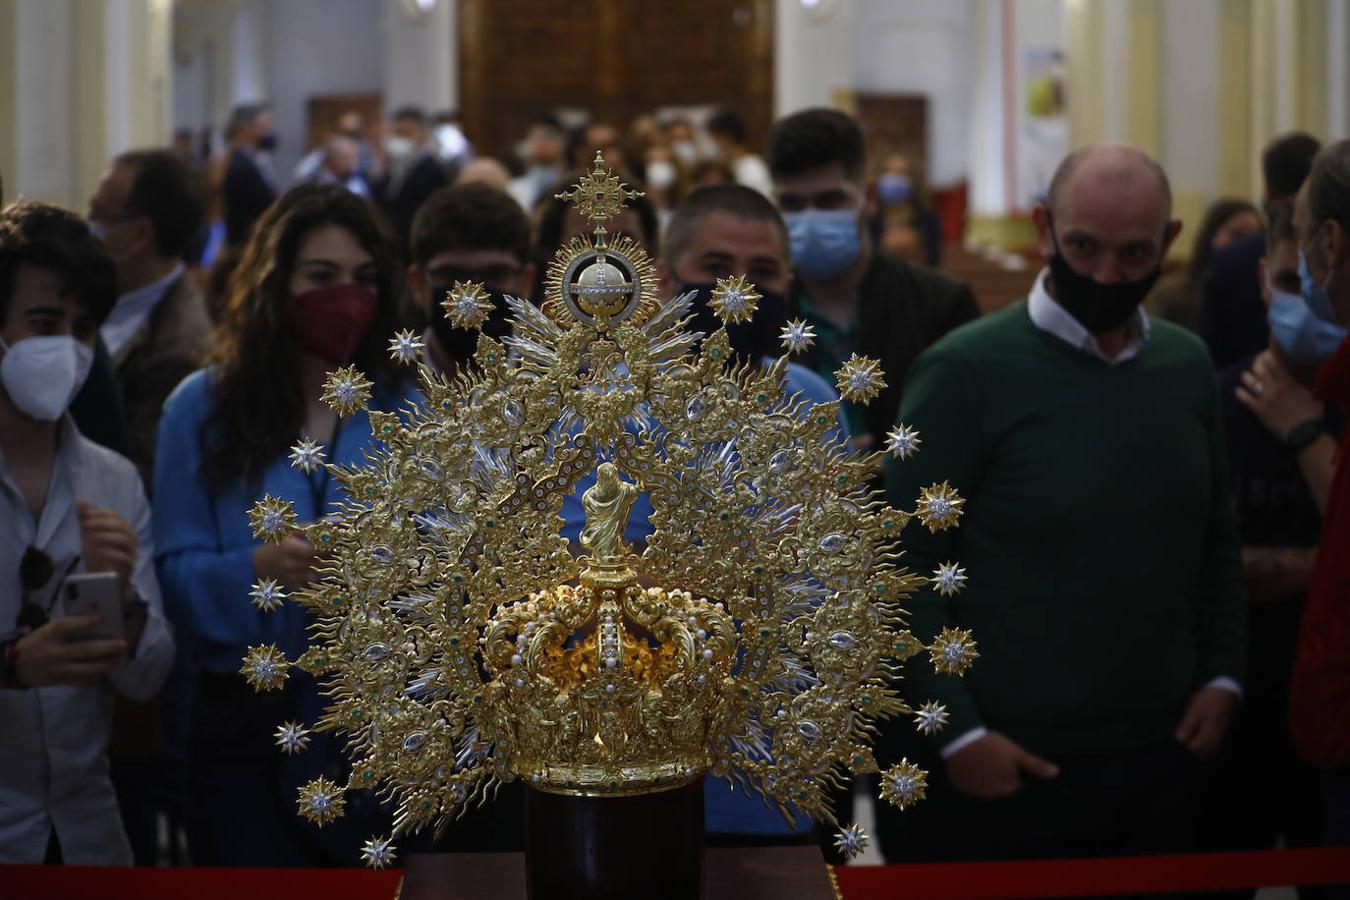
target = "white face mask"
x: 450, y: 141
x: 686, y: 151
x: 399, y: 147
x: 43, y: 374
x: 661, y: 174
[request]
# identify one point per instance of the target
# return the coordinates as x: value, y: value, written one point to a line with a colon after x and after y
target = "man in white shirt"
x: 148, y: 208
x: 67, y: 506
x: 728, y: 132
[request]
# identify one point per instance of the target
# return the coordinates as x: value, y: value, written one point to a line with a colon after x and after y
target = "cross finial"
x: 599, y: 195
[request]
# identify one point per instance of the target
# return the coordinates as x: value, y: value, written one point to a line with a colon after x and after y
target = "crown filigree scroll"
x: 463, y: 639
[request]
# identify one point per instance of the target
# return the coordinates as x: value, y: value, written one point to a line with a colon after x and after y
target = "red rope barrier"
x: 144, y: 883
x: 933, y: 881
x: 1096, y: 877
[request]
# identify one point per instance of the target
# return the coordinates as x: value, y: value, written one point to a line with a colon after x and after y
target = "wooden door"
x: 612, y: 58
x: 894, y: 123
x: 322, y: 113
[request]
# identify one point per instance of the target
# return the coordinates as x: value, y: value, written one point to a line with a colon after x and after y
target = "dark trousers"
x: 1140, y: 801
x: 243, y: 789
x: 237, y: 813
x: 140, y: 787
x: 1288, y: 807
x: 1336, y: 791
x: 1336, y: 794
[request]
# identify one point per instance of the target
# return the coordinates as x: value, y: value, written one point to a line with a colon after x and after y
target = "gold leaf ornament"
x: 468, y: 638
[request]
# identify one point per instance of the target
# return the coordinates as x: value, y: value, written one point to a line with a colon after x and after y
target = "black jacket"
x: 246, y: 193
x: 902, y: 308
x: 402, y: 200
x: 1232, y: 313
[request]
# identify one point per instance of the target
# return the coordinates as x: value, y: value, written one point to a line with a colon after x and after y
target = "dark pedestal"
x: 739, y: 873
x: 609, y: 848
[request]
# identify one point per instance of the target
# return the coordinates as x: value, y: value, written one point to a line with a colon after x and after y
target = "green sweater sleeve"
x: 1220, y: 596
x: 942, y: 402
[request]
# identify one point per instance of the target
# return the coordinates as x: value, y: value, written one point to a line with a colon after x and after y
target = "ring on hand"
x: 1258, y: 388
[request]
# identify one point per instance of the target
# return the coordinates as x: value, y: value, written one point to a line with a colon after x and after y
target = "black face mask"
x: 1098, y: 307
x: 751, y: 341
x: 459, y: 343
x: 268, y: 141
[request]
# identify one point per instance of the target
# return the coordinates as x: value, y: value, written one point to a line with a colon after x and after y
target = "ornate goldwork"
x: 734, y: 300
x: 463, y: 641
x: 599, y: 196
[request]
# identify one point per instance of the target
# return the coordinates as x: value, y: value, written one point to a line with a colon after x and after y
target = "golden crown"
x: 463, y: 641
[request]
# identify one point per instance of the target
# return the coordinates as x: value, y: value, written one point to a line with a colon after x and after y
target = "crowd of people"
x: 1155, y: 512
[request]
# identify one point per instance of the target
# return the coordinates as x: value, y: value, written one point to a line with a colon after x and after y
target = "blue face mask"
x: 1316, y: 295
x: 824, y: 242
x: 894, y: 189
x: 1303, y: 338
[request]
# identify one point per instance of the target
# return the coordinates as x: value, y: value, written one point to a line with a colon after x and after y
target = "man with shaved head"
x: 1105, y: 591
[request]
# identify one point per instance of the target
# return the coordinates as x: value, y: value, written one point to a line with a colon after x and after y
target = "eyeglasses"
x: 36, y: 569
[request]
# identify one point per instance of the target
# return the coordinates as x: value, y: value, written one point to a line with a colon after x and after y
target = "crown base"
x: 614, y: 781
x: 609, y: 848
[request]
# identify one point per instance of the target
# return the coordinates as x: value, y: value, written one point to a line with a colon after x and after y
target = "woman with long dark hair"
x: 1178, y: 298
x: 314, y: 290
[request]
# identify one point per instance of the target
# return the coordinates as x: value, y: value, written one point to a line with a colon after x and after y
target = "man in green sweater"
x: 1105, y: 589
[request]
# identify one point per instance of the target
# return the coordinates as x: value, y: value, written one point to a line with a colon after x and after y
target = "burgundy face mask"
x: 331, y: 322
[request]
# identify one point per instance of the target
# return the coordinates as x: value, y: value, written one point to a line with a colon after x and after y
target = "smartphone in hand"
x: 99, y: 593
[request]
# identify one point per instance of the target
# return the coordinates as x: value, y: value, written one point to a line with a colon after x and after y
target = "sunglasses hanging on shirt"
x: 35, y: 570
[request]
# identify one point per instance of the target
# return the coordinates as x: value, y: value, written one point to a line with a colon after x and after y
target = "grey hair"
x: 1329, y: 185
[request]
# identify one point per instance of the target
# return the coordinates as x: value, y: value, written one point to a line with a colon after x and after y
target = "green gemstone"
x: 761, y: 398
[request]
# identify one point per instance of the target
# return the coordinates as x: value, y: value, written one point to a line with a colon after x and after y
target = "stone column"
x: 421, y: 55
x: 79, y: 83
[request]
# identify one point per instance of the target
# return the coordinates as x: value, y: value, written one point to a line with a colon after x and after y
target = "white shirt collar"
x: 132, y: 309
x: 1047, y: 315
